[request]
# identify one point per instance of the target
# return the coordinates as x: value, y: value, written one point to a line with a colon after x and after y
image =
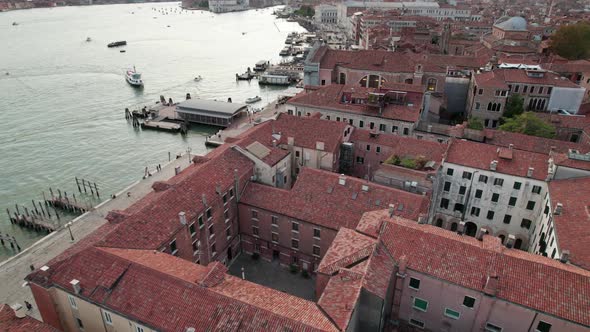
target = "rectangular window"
x: 316, y: 251
x: 546, y: 210
x: 316, y: 233
x: 467, y: 175
x: 536, y: 189
x: 201, y: 224
x: 72, y: 302
x: 420, y: 304
x: 483, y: 178
x: 382, y: 127
x: 294, y: 243
x: 549, y: 89
x: 368, y: 147
x: 173, y: 248
x: 361, y: 124
x: 533, y: 89
x: 475, y: 211
x: 491, y: 327
x: 478, y: 193
x: 211, y: 231
x: 462, y: 190
x: 195, y: 247
x: 540, y: 90
x: 444, y: 203
x: 525, y: 223
x: 417, y: 323
x: 226, y: 215
x: 406, y: 131
x: 192, y: 229
x: 378, y: 149
x: 450, y: 171
x: 415, y: 283
x: 294, y: 226
x: 274, y: 220
x: 525, y: 88
x: 495, y: 197
x: 209, y: 213
x: 477, y: 105
x: 530, y: 205
x: 512, y: 201
x: 254, y: 230
x: 543, y: 327
x: 498, y: 182
x: 360, y: 160
x: 224, y: 198
x: 139, y: 328
x: 79, y: 321
x: 507, y: 218
x: 458, y: 207
x: 254, y: 214
x: 490, y: 215
x: 107, y: 317
x: 452, y: 313
x: 468, y: 301
x: 394, y: 129
x: 480, y: 91
x: 213, y: 251
x: 275, y: 237
x: 517, y: 185
x: 447, y: 186
x: 516, y: 88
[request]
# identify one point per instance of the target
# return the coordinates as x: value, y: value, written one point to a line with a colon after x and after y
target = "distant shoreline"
x: 22, y: 5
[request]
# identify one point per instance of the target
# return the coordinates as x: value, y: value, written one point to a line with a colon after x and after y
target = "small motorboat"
x: 117, y: 43
x: 198, y: 78
x: 88, y: 39
x: 14, y: 23
x: 253, y: 100
x: 122, y: 51
x: 133, y: 77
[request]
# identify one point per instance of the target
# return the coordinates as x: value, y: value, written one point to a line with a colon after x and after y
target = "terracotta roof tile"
x: 10, y: 323
x: 341, y: 295
x: 531, y: 143
x: 379, y: 272
x: 347, y: 248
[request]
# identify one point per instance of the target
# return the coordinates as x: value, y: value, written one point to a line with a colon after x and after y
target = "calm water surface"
x: 62, y: 105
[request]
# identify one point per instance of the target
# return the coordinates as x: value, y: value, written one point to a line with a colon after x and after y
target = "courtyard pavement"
x: 271, y: 274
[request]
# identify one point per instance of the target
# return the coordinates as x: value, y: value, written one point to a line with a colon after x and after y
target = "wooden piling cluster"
x: 63, y: 202
x: 10, y: 240
x: 38, y: 218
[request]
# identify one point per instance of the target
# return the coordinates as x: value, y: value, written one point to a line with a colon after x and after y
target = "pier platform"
x: 14, y: 270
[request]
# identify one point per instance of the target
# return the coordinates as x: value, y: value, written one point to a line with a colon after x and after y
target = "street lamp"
x: 188, y: 150
x: 70, y: 230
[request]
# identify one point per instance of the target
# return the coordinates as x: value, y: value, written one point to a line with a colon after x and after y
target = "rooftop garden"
x: 411, y: 162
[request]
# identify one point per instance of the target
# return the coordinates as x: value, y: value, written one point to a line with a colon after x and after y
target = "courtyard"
x: 272, y: 275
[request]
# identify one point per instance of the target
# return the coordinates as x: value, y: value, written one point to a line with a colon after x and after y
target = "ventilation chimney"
x: 493, y: 165
x: 491, y: 285
x: 565, y: 256
x: 510, y: 241
x: 44, y: 268
x: 558, y: 209
x: 529, y: 173
x: 218, y: 189
x: 461, y: 228
x: 75, y: 285
x: 319, y: 146
x: 182, y: 218
x: 511, y: 146
x: 342, y: 180
x: 391, y: 210
x: 291, y: 141
x: 204, y: 199
x: 365, y: 188
x: 482, y: 231
x: 19, y: 310
x: 190, y: 329
x: 274, y: 143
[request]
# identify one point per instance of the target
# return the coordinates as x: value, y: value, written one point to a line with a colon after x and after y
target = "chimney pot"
x: 274, y: 143
x: 182, y: 218
x: 482, y: 231
x: 558, y: 209
x: 391, y: 210
x: 511, y: 146
x: 76, y: 285
x: 493, y: 165
x: 44, y: 268
x: 530, y: 171
x: 510, y: 241
x: 461, y: 228
x: 565, y: 256
x: 342, y: 180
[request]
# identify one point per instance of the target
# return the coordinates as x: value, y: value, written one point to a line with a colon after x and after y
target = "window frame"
x: 544, y: 330
x: 412, y: 320
x: 451, y: 316
x: 108, y: 319
x: 490, y: 327
x: 469, y: 297
x: 410, y: 283
x: 414, y: 306
x: 72, y: 301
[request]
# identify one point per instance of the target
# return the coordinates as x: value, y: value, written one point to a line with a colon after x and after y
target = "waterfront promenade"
x: 14, y: 270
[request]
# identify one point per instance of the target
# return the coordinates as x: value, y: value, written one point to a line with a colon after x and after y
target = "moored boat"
x: 252, y: 100
x: 117, y: 43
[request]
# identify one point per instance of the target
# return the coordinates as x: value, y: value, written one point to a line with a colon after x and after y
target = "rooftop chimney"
x: 190, y: 329
x: 530, y: 171
x: 182, y: 218
x: 44, y: 268
x: 491, y: 285
x: 493, y: 165
x: 391, y: 210
x: 558, y: 209
x: 461, y: 228
x: 291, y: 141
x: 75, y: 285
x: 204, y: 198
x: 510, y: 241
x: 274, y: 143
x: 319, y: 146
x: 365, y: 188
x: 342, y: 180
x: 565, y: 256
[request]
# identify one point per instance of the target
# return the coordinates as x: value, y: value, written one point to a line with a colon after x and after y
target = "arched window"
x: 553, y: 253
x: 502, y: 238
x: 494, y: 107
x: 489, y: 106
x: 518, y: 244
x: 454, y: 227
x: 342, y: 78
x: 542, y: 105
x: 409, y: 81
x: 499, y: 107
x: 372, y: 81
x: 431, y: 84
x: 439, y: 223
x: 363, y: 82
x: 470, y: 229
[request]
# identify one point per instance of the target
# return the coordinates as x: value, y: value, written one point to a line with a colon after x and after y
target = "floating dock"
x: 209, y: 112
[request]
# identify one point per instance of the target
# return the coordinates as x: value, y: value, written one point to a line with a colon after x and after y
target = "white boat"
x: 198, y: 78
x: 133, y: 77
x: 252, y: 100
x: 88, y: 39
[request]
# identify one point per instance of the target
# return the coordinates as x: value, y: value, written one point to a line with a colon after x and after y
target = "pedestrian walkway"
x: 14, y: 270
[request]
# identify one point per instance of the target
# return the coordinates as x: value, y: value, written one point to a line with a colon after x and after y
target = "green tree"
x: 514, y: 106
x: 475, y: 123
x: 572, y: 41
x: 306, y: 11
x: 529, y: 124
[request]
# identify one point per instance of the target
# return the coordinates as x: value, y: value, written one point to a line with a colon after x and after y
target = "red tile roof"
x: 155, y: 217
x: 379, y: 272
x: 306, y: 131
x: 329, y: 97
x: 563, y: 159
x: 167, y: 293
x: 10, y: 323
x: 526, y: 279
x: 497, y: 77
x: 572, y: 226
x: 317, y: 198
x: 478, y: 155
x: 531, y: 143
x: 341, y: 295
x: 347, y: 248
